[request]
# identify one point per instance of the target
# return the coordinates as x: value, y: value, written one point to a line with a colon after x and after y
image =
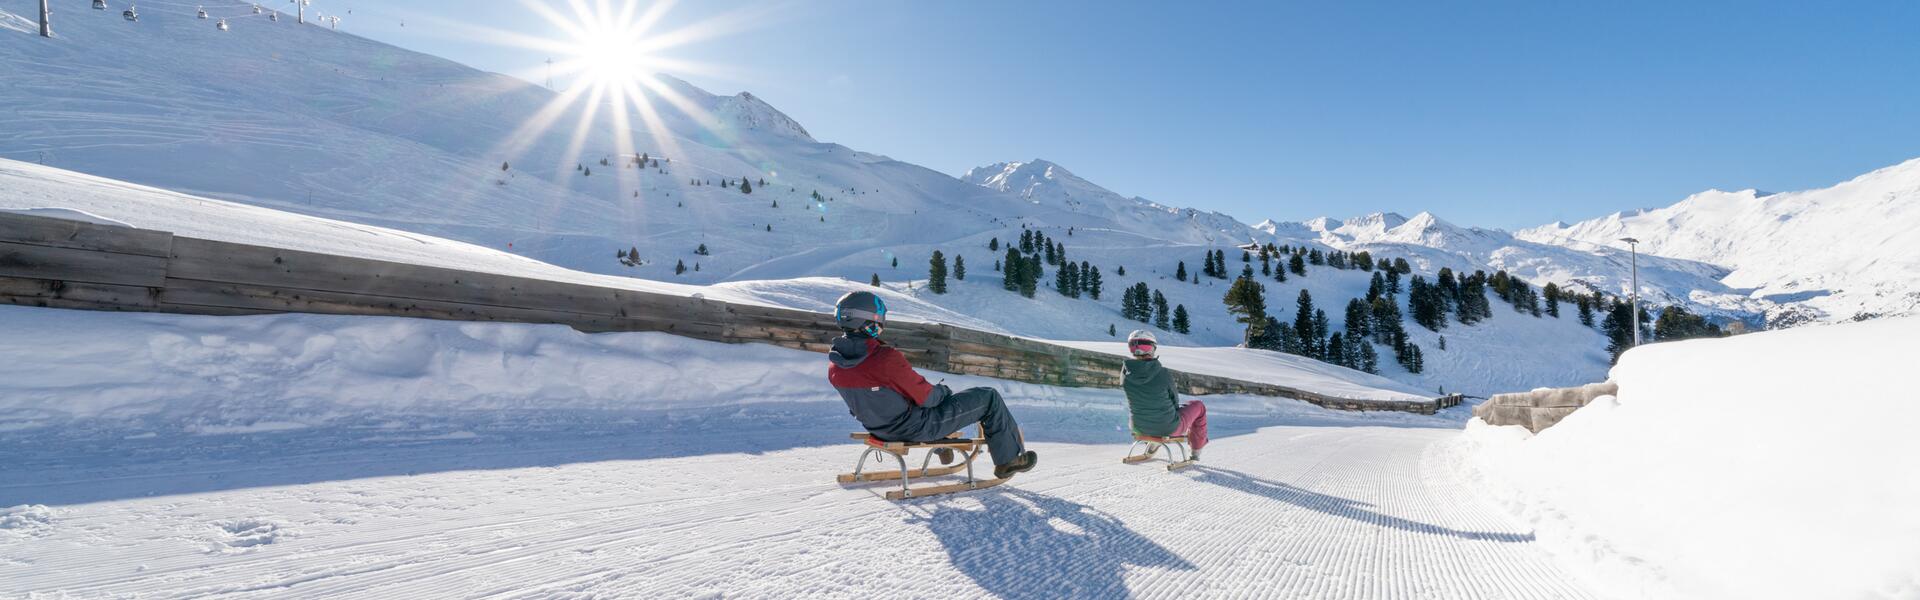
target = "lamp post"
x: 1633, y: 249
x: 46, y: 21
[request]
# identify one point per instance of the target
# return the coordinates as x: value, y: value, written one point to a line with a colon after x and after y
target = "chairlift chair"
x: 203, y: 12
x: 99, y: 4
x: 222, y: 25
x: 256, y: 8
x: 274, y: 16
x: 131, y: 13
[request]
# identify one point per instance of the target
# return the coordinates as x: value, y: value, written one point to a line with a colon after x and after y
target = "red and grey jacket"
x: 879, y: 386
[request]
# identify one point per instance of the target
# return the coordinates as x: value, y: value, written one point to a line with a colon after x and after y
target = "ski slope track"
x: 1323, y: 510
x: 317, y: 456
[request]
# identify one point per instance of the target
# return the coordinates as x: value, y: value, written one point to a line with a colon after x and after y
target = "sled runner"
x: 1166, y: 444
x: 967, y: 448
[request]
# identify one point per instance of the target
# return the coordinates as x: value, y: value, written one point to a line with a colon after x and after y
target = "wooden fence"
x: 69, y: 264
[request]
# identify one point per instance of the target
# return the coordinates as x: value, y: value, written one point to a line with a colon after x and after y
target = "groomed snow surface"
x: 322, y: 456
x: 1773, y: 465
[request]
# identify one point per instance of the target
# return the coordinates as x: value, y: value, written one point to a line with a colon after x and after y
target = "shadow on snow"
x: 1339, y: 507
x: 83, y: 461
x: 1043, y: 547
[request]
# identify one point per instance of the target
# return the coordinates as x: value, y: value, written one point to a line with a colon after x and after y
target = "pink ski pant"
x: 1193, y: 424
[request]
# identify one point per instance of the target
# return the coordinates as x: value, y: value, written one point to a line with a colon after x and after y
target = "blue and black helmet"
x: 861, y: 313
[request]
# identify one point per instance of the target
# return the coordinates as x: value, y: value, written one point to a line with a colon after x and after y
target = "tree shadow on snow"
x: 1020, y: 544
x: 1336, y: 506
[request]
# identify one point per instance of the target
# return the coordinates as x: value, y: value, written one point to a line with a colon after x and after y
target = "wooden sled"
x: 968, y: 448
x: 1167, y: 444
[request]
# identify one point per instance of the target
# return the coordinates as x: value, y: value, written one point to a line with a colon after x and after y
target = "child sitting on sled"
x: 896, y: 404
x: 1152, y: 400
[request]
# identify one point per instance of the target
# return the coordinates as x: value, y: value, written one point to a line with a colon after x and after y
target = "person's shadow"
x: 1019, y: 544
x: 1336, y: 506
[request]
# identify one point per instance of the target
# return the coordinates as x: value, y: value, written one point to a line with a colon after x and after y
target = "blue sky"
x: 1499, y: 114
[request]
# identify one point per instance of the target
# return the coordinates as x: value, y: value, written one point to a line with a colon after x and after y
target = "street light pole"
x: 46, y: 27
x: 1633, y: 247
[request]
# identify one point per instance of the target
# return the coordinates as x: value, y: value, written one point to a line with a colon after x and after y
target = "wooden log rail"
x: 70, y: 264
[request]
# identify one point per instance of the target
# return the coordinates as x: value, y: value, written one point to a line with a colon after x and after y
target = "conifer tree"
x: 702, y: 250
x: 747, y: 188
x: 1111, y: 332
x: 1297, y: 265
x: 1063, y: 281
x: 1011, y: 275
x: 1303, y: 320
x: 1337, y: 350
x: 1180, y: 321
x: 1266, y: 263
x: 1030, y: 277
x: 1052, y: 259
x: 1180, y: 272
x: 1375, y: 287
x: 503, y: 166
x: 1359, y: 319
x: 1246, y: 300
x: 1552, y: 292
x: 936, y: 273
x: 1618, y: 328
x: 896, y: 262
x: 1586, y: 311
x: 1026, y: 241
x: 1094, y: 284
x: 994, y: 245
x: 1321, y: 329
x: 959, y: 268
x: 1160, y: 312
x: 679, y: 267
x: 875, y: 282
x: 1245, y: 257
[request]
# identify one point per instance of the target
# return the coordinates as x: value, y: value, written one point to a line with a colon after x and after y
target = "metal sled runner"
x: 1166, y: 444
x: 968, y: 448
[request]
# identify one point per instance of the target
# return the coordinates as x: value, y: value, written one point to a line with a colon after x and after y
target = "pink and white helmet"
x: 1142, y: 344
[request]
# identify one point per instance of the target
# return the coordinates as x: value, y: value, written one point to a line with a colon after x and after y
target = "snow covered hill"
x: 309, y: 121
x: 1434, y: 243
x: 1851, y: 251
x: 1778, y: 464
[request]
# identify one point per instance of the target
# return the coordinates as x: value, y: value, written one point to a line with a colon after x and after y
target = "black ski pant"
x: 960, y: 410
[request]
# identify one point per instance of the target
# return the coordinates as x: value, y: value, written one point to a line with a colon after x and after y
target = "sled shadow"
x: 1020, y: 544
x: 1339, y: 507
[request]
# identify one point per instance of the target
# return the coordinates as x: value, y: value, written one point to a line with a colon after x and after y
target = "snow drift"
x: 1773, y: 465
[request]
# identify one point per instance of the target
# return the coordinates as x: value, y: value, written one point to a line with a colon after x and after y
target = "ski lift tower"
x: 46, y: 25
x: 303, y: 10
x: 1633, y: 246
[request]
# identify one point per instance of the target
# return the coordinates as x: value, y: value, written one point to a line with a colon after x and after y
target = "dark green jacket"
x: 1151, y: 398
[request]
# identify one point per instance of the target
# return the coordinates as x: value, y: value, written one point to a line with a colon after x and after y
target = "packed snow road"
x: 740, y: 503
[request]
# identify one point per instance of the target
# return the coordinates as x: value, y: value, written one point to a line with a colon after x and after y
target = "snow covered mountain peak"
x: 747, y: 111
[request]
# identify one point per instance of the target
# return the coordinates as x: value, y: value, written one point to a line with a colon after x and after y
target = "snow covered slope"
x: 1048, y: 184
x: 309, y: 121
x: 1850, y: 251
x: 1779, y: 464
x: 1432, y: 243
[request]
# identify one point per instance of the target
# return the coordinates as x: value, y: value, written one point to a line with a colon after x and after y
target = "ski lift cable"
x: 187, y: 8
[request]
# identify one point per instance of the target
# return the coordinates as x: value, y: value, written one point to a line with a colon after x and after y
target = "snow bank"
x: 1772, y: 465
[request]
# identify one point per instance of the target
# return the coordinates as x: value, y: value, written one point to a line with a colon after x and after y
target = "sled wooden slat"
x: 936, y: 490
x: 892, y: 475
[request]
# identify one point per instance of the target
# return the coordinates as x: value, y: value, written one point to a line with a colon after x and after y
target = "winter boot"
x: 1024, y: 463
x: 945, y: 455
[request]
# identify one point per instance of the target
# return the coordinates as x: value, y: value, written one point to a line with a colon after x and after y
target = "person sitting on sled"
x: 1152, y: 401
x: 896, y: 404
